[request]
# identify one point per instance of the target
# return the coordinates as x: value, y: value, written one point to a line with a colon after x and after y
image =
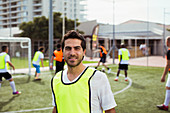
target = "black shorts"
x: 6, y: 75
x: 123, y: 66
x: 59, y: 66
x: 103, y: 58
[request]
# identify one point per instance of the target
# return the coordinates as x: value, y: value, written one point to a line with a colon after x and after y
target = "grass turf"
x: 142, y: 97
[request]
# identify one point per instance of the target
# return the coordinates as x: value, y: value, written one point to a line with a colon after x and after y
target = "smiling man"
x: 80, y: 89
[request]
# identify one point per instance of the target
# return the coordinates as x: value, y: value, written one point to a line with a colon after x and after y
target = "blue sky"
x: 152, y: 10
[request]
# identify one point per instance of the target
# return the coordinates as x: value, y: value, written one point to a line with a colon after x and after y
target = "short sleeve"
x: 7, y: 58
x: 105, y: 95
x: 168, y: 55
x: 120, y: 52
x: 42, y: 56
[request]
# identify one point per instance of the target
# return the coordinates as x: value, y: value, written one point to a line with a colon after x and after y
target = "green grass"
x: 142, y: 97
x: 23, y: 62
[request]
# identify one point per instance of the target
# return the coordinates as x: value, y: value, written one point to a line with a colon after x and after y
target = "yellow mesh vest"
x: 36, y: 56
x: 74, y: 97
x: 124, y: 55
x: 2, y: 61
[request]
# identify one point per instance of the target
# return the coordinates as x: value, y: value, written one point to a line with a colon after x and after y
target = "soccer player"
x: 39, y: 56
x: 103, y: 54
x: 80, y: 89
x: 166, y: 69
x: 58, y: 57
x: 5, y: 58
x: 123, y: 55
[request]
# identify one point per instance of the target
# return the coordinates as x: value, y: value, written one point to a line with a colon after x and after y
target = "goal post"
x: 19, y: 42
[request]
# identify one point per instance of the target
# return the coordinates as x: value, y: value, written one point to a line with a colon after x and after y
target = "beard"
x: 79, y: 60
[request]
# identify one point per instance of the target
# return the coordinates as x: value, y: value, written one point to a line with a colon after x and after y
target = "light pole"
x: 50, y: 31
x: 113, y: 32
x: 63, y: 31
x: 75, y: 15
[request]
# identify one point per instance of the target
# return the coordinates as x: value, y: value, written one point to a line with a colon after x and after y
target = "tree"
x: 38, y: 28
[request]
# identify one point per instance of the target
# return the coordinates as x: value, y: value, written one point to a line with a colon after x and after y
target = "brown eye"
x: 68, y: 48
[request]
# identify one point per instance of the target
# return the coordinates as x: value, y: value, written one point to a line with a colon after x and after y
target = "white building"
x: 14, y: 12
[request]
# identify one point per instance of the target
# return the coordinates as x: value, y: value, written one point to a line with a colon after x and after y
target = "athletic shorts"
x: 123, y: 66
x: 6, y: 75
x: 59, y: 66
x: 37, y: 68
x: 168, y: 81
x: 103, y: 59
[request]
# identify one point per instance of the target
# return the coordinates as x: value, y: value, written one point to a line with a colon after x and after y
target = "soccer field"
x: 144, y: 94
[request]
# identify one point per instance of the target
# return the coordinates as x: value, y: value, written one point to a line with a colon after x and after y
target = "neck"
x: 74, y: 72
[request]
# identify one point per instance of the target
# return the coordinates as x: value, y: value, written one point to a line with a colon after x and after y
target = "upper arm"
x: 105, y: 94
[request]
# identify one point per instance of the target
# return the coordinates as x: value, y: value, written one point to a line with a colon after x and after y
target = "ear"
x: 84, y: 51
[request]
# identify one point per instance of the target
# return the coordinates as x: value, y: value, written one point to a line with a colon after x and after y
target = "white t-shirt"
x: 41, y: 56
x: 102, y: 96
x: 120, y: 53
x: 7, y: 58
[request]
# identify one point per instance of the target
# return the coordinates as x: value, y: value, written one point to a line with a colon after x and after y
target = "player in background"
x: 58, y: 57
x: 38, y: 57
x: 103, y: 54
x: 164, y: 106
x: 5, y: 58
x: 123, y: 55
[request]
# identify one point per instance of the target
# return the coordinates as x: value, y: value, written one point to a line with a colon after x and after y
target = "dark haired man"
x: 58, y: 57
x: 80, y: 89
x: 38, y: 57
x: 5, y: 58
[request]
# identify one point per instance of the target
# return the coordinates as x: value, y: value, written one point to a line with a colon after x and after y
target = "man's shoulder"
x: 98, y: 75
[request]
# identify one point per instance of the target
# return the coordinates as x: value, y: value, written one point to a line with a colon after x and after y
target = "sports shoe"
x: 116, y: 79
x: 37, y: 79
x: 17, y: 93
x: 162, y: 107
x: 126, y: 79
x: 109, y: 71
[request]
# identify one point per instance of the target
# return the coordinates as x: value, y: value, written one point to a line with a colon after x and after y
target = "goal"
x: 20, y: 53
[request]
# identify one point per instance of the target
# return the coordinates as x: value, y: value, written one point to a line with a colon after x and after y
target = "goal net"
x: 19, y: 52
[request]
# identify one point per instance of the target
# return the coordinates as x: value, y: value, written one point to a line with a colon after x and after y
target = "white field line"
x: 129, y: 85
x: 29, y: 110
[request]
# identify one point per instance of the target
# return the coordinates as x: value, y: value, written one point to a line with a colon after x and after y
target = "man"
x: 166, y: 69
x: 38, y: 57
x: 58, y: 57
x: 103, y: 54
x: 5, y: 58
x: 123, y: 55
x: 80, y: 89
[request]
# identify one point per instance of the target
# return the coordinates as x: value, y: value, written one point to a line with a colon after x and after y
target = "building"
x: 14, y: 12
x: 133, y: 33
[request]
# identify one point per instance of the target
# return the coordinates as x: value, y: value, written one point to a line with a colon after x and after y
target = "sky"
x: 124, y: 10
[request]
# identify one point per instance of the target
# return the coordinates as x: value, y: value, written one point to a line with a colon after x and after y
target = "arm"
x: 42, y: 62
x: 54, y: 110
x: 11, y: 65
x: 165, y: 71
x: 110, y: 111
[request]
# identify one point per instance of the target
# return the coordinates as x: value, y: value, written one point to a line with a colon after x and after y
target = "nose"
x: 72, y: 51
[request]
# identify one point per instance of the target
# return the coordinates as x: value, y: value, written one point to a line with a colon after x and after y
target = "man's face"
x: 73, y: 52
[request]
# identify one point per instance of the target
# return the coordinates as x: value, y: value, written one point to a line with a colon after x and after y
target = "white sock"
x: 125, y: 78
x: 117, y: 77
x: 12, y: 84
x: 167, y: 98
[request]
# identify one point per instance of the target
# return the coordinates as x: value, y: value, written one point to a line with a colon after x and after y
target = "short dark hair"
x: 4, y: 48
x: 58, y: 46
x: 41, y: 48
x: 72, y: 34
